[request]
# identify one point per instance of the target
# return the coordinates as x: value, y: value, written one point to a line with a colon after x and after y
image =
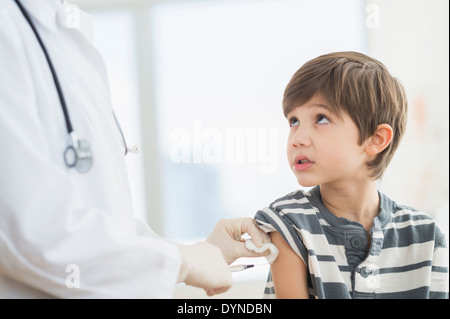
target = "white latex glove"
x: 227, y: 236
x: 203, y: 266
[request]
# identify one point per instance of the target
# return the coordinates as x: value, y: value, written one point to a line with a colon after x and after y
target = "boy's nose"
x: 301, y: 138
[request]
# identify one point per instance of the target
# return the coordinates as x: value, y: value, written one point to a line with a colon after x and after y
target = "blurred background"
x: 198, y: 84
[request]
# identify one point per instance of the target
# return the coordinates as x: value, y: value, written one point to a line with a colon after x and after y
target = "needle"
x: 240, y: 267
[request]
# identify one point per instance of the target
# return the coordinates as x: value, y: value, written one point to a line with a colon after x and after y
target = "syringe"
x: 240, y: 267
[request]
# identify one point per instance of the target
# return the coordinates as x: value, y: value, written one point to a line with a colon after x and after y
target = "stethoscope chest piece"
x: 78, y: 156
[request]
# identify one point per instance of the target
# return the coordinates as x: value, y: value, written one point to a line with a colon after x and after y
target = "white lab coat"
x: 59, y: 227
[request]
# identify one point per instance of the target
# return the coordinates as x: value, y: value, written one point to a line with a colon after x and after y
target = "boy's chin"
x: 306, y: 183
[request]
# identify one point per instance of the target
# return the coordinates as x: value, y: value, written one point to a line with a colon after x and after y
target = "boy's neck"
x: 359, y: 202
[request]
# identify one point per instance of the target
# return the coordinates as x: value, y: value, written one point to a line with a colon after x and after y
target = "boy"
x: 345, y: 239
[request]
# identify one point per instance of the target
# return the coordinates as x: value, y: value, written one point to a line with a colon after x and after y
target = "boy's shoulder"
x: 406, y: 219
x: 294, y: 210
x: 291, y: 215
x: 295, y: 199
x: 402, y: 212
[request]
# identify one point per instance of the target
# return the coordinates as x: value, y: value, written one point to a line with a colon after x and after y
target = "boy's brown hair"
x: 359, y: 85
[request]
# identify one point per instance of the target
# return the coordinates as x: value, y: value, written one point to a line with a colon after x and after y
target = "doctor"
x: 66, y: 224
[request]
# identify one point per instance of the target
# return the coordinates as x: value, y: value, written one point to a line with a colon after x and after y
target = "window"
x: 111, y: 28
x: 220, y: 69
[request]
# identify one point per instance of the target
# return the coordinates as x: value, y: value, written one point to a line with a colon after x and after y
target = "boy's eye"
x: 322, y: 119
x: 294, y: 122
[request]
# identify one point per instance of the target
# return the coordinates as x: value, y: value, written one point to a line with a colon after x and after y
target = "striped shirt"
x: 406, y: 258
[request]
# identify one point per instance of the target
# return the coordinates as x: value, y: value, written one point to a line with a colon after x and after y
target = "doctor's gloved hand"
x: 203, y: 266
x: 227, y: 236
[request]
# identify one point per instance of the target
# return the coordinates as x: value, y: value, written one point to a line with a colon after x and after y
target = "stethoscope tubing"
x: 52, y: 69
x: 78, y: 154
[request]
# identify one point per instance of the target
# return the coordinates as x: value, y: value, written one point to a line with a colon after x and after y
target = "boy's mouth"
x: 302, y: 159
x: 302, y: 163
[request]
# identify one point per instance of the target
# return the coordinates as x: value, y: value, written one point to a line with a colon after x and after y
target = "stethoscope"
x: 78, y: 154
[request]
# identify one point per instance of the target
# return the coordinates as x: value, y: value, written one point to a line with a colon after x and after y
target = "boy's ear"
x: 379, y: 140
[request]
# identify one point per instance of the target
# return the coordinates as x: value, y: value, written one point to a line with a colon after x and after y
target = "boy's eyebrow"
x: 321, y: 105
x: 330, y: 109
x: 324, y: 106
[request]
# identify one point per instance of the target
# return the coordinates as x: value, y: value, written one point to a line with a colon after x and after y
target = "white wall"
x: 412, y: 40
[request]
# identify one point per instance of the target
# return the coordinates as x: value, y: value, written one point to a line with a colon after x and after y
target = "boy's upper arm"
x: 288, y: 271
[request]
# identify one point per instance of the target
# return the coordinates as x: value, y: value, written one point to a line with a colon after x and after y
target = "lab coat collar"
x: 55, y: 14
x: 43, y: 12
